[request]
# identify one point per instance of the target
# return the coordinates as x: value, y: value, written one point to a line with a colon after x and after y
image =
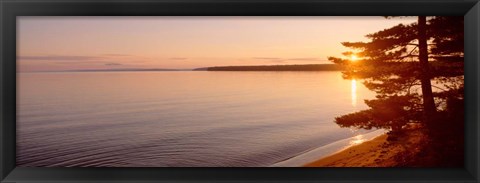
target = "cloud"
x: 282, y: 60
x: 60, y: 57
x: 267, y: 58
x: 304, y: 59
x: 271, y: 59
x: 178, y: 58
x: 113, y: 64
x: 71, y: 57
x: 277, y: 61
x: 117, y: 55
x: 285, y: 60
x: 110, y: 60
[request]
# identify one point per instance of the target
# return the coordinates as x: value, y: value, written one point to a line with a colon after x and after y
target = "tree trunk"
x: 428, y: 102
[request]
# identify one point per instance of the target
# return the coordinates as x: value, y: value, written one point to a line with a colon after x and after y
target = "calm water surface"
x: 191, y: 118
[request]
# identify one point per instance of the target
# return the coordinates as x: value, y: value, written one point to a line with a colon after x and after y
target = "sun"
x: 353, y: 58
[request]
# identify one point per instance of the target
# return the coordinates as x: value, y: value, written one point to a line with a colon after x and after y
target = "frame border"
x: 10, y: 9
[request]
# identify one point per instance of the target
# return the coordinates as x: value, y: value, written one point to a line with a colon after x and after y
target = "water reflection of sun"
x: 354, y: 92
x: 357, y: 140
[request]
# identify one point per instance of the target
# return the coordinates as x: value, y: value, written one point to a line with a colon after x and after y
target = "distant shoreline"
x: 307, y: 67
x: 304, y: 67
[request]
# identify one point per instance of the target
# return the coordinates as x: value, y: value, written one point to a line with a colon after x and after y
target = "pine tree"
x: 399, y: 64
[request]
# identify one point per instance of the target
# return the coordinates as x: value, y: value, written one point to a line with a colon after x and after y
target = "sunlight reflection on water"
x: 182, y: 119
x: 357, y: 140
x: 354, y: 92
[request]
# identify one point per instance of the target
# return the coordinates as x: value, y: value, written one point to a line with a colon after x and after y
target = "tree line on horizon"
x: 306, y: 67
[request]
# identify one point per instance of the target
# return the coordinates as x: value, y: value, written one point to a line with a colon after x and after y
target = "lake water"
x: 187, y: 118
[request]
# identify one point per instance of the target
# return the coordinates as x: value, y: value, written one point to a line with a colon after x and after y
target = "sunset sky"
x: 71, y: 43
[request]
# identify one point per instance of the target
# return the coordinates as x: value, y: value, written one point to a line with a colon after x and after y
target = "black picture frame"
x: 11, y: 9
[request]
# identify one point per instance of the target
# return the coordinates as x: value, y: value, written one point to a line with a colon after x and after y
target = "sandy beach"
x: 378, y: 152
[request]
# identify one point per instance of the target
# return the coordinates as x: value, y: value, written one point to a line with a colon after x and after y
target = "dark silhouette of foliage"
x: 388, y: 113
x: 416, y: 71
x: 393, y: 66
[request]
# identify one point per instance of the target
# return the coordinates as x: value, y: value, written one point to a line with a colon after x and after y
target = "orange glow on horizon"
x: 186, y: 42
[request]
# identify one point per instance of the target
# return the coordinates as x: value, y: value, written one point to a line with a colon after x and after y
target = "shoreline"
x: 377, y: 152
x: 357, y: 155
x: 311, y: 155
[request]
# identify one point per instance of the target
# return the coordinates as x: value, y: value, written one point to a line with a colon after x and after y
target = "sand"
x: 377, y: 152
